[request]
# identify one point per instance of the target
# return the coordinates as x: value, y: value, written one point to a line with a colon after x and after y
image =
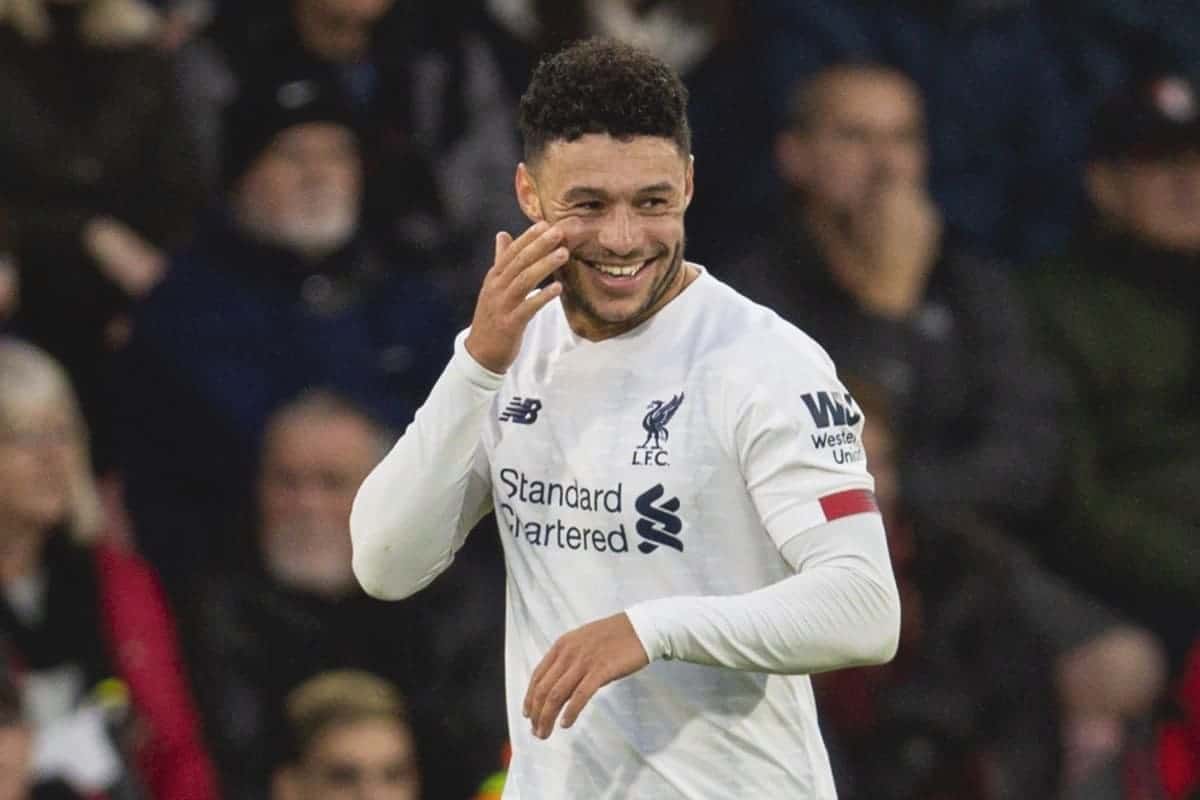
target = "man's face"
x: 626, y: 201
x: 1157, y: 200
x: 303, y: 192
x: 339, y: 30
x: 36, y: 450
x: 366, y: 760
x: 866, y: 131
x: 312, y: 467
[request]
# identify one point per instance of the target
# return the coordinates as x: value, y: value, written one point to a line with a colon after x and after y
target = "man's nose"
x: 620, y: 233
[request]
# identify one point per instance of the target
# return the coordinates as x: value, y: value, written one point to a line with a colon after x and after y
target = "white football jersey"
x: 676, y: 459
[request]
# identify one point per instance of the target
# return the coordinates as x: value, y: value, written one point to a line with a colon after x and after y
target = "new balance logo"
x: 522, y: 411
x: 659, y: 525
x: 831, y: 408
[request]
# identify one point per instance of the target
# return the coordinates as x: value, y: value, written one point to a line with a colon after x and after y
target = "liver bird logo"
x: 656, y: 420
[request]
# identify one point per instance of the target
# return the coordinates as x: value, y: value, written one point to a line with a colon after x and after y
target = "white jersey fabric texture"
x: 705, y: 456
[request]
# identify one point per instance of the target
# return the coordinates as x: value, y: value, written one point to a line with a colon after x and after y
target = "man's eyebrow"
x: 576, y: 193
x: 657, y: 188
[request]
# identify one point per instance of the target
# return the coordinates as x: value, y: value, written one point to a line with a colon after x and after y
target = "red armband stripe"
x: 851, y: 501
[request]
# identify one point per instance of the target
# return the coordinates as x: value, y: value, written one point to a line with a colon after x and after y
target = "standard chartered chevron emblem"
x: 658, y: 524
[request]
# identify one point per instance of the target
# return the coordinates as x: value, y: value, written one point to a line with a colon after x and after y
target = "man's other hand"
x: 577, y: 666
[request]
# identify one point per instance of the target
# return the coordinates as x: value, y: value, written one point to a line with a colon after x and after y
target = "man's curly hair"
x: 603, y: 86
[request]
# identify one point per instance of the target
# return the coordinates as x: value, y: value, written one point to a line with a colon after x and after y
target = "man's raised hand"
x: 505, y: 303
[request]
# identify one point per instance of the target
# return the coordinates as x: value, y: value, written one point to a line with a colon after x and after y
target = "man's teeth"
x: 618, y: 271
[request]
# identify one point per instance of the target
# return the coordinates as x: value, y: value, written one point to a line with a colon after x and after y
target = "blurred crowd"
x: 236, y: 239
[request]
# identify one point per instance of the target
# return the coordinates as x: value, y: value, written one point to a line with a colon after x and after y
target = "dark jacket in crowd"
x: 1123, y: 321
x: 254, y: 639
x: 972, y: 402
x: 237, y: 329
x: 86, y: 130
x: 968, y: 709
x: 1006, y: 135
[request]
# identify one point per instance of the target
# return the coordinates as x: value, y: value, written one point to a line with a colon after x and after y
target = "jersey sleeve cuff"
x: 475, y: 373
x: 643, y: 619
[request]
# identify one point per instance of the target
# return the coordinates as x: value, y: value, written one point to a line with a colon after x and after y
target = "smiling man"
x: 688, y: 524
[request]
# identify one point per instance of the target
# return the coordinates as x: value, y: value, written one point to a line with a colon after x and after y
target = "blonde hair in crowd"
x: 105, y: 23
x: 31, y: 378
x: 339, y: 697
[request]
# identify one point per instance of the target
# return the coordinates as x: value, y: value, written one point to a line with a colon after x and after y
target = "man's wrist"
x: 644, y: 620
x: 492, y: 365
x: 473, y: 370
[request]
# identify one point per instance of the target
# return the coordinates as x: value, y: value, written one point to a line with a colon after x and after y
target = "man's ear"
x: 527, y: 194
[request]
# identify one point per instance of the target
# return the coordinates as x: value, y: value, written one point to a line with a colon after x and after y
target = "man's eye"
x: 654, y: 202
x: 589, y: 205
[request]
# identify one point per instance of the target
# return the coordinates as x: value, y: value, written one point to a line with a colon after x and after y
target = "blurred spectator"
x: 859, y: 260
x: 351, y: 741
x: 99, y: 175
x: 708, y: 43
x: 294, y: 609
x: 1108, y: 42
x: 1121, y: 314
x: 861, y: 263
x: 1179, y: 737
x: 1006, y: 134
x: 968, y: 709
x: 965, y: 715
x: 371, y: 52
x: 280, y: 292
x: 86, y: 623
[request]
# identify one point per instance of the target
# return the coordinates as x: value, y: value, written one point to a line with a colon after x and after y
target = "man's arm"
x: 841, y: 609
x: 415, y: 509
x: 417, y: 506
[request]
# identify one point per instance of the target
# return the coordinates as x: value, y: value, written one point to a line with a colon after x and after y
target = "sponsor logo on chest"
x: 569, y: 515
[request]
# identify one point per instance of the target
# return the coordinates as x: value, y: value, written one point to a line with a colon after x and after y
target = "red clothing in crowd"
x: 172, y: 759
x: 1179, y: 740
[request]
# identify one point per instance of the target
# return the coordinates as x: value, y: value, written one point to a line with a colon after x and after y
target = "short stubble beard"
x: 574, y: 298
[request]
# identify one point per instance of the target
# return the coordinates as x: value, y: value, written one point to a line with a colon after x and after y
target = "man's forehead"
x: 614, y: 164
x: 868, y: 95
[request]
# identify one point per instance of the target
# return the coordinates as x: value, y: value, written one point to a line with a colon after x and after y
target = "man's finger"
x: 503, y: 240
x: 540, y: 670
x: 540, y: 692
x: 531, y: 245
x: 538, y: 271
x: 534, y: 302
x: 560, y: 692
x: 583, y: 693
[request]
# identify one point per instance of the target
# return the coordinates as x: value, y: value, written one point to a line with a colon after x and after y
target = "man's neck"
x: 586, y: 327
